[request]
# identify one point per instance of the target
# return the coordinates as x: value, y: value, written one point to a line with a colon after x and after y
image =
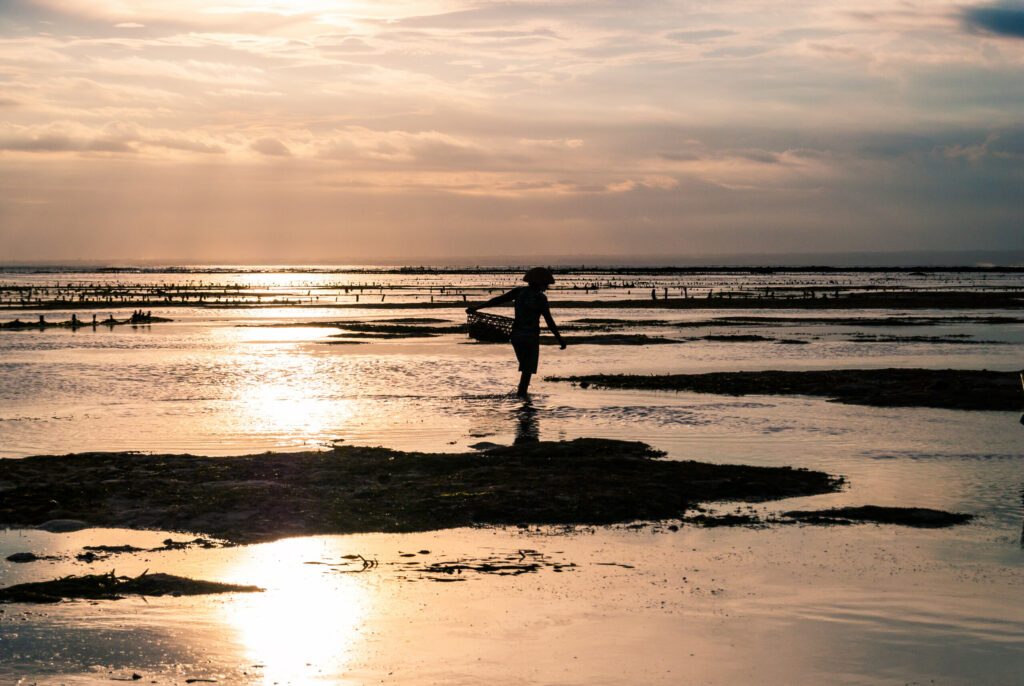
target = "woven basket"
x: 489, y: 328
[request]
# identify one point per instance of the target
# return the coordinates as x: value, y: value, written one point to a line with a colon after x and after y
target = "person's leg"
x: 524, y: 383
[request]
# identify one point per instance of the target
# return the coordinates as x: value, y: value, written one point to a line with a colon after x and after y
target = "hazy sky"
x: 259, y: 129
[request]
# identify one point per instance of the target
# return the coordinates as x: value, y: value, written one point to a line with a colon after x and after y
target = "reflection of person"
x: 527, y: 430
x: 530, y: 305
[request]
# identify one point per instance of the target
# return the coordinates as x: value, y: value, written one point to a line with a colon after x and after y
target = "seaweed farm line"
x: 46, y: 290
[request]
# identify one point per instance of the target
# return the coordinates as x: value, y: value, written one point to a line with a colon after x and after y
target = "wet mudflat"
x: 940, y: 388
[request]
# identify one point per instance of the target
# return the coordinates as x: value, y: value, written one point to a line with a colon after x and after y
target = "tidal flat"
x: 784, y: 587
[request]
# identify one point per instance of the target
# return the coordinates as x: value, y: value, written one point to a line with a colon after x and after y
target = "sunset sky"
x: 240, y: 130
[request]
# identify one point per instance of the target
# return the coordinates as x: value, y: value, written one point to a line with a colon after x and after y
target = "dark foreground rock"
x: 919, y: 517
x: 111, y: 587
x: 942, y: 388
x: 354, y: 489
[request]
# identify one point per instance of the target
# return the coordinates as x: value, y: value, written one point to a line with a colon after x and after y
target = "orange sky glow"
x: 344, y: 131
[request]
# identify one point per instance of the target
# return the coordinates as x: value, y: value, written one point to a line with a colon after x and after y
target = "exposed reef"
x: 918, y: 517
x: 354, y: 489
x: 960, y: 389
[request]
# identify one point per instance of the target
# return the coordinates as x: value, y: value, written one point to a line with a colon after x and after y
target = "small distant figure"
x: 666, y: 294
x: 530, y: 305
x: 654, y: 294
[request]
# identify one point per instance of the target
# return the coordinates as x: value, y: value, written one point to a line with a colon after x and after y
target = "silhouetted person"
x: 654, y: 294
x: 530, y: 305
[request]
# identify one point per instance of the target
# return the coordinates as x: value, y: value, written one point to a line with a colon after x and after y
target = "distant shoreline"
x: 567, y: 269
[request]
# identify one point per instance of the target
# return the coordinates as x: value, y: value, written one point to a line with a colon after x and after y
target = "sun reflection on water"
x: 283, y: 409
x: 285, y: 394
x: 307, y: 624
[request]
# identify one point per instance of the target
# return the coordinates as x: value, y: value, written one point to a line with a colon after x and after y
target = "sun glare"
x: 307, y: 623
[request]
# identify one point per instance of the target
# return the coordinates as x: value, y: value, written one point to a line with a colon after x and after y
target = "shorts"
x: 527, y: 352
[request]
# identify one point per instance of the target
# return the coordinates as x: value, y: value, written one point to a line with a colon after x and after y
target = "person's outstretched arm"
x: 499, y: 300
x: 552, y: 327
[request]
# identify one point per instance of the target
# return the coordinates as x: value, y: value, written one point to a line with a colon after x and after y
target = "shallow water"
x: 858, y: 605
x: 852, y: 605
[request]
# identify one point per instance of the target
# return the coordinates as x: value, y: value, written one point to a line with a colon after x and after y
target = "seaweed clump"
x: 111, y: 587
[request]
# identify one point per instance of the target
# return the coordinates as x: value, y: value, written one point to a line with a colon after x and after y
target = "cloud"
x: 64, y: 137
x: 72, y: 137
x: 698, y: 36
x: 185, y: 144
x: 1002, y: 20
x: 345, y: 44
x: 271, y: 147
x: 58, y: 143
x: 188, y: 70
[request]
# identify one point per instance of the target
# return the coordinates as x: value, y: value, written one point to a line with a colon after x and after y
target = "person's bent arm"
x: 552, y: 327
x: 499, y: 300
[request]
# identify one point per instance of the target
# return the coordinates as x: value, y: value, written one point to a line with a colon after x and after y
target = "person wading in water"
x: 530, y: 304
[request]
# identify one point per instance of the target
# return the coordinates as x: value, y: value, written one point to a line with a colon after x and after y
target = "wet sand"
x: 939, y: 388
